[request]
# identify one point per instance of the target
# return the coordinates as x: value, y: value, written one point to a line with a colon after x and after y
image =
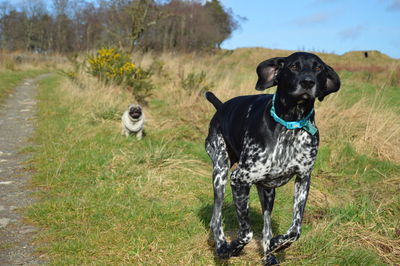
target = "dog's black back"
x: 232, y: 119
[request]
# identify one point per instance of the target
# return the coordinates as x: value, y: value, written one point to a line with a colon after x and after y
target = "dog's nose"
x: 307, y: 83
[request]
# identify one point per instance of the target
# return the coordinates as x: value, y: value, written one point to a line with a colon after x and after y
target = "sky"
x: 331, y: 26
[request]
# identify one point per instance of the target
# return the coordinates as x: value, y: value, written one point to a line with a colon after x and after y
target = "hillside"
x: 106, y: 199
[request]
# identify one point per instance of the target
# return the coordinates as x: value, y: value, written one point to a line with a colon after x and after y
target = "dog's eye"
x: 294, y: 68
x: 317, y: 68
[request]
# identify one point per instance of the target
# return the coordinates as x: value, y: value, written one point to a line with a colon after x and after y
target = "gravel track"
x: 17, y: 114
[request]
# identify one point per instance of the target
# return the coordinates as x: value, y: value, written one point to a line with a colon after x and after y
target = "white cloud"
x: 351, y: 33
x: 394, y: 5
x: 316, y: 18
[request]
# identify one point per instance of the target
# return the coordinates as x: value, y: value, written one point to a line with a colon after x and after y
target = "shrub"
x: 113, y: 66
x: 73, y: 75
x: 196, y: 82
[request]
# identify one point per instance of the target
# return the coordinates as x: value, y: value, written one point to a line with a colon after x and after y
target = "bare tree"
x: 76, y: 25
x: 34, y: 10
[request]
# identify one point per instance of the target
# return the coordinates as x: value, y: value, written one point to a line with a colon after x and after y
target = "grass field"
x: 110, y: 200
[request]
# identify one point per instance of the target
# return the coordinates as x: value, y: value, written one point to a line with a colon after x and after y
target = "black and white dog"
x: 272, y: 138
x: 132, y: 121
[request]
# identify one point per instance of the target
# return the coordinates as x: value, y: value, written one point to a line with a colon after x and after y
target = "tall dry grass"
x: 176, y: 117
x: 373, y: 128
x: 20, y: 61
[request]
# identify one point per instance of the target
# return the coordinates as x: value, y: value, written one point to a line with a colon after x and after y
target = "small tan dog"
x: 133, y: 121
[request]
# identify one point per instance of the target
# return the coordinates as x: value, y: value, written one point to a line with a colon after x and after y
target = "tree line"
x: 65, y: 26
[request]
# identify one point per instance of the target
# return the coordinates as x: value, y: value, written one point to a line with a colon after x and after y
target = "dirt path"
x: 16, y: 126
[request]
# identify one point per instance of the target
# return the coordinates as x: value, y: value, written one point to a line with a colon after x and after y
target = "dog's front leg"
x: 302, y: 186
x: 240, y: 193
x: 267, y: 197
x: 139, y: 134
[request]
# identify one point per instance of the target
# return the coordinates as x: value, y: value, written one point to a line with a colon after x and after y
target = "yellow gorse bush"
x: 113, y: 66
x: 110, y: 65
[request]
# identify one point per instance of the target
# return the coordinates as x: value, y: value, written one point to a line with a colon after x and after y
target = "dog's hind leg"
x: 217, y: 150
x: 240, y: 193
x: 267, y: 197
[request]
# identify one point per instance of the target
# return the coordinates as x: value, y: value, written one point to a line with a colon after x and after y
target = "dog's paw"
x: 236, y: 247
x: 281, y: 242
x: 271, y: 260
x: 224, y: 251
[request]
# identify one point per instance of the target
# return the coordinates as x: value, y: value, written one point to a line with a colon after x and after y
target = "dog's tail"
x: 213, y: 99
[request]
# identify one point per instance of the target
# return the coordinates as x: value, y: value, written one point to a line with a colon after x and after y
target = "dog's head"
x: 135, y: 111
x: 301, y: 76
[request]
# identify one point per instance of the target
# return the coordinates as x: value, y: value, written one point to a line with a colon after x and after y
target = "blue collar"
x: 304, y: 123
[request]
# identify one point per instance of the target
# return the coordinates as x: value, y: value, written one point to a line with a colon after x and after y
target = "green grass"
x: 10, y: 79
x: 95, y: 197
x: 110, y: 200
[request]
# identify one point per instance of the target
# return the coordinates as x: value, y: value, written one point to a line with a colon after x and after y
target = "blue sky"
x: 333, y: 26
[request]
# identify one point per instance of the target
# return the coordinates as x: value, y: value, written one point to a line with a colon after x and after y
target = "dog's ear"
x: 332, y: 83
x: 267, y: 72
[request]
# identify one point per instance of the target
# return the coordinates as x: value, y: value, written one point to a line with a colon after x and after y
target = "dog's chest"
x: 293, y: 153
x: 133, y: 125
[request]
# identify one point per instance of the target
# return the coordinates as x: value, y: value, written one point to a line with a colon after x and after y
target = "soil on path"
x: 17, y: 115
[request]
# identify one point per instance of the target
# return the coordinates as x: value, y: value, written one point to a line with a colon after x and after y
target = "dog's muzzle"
x: 306, y: 89
x: 307, y: 83
x: 135, y: 112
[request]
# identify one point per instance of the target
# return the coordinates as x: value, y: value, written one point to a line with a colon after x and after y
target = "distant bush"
x: 73, y: 75
x: 112, y: 66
